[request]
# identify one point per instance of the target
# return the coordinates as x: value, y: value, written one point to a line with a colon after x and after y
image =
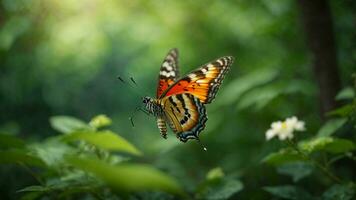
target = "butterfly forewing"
x: 168, y: 73
x: 185, y: 114
x: 204, y: 82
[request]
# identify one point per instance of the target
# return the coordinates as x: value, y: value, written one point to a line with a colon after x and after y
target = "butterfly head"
x: 146, y: 100
x: 151, y: 105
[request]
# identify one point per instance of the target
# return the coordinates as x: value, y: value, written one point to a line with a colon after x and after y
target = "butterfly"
x: 180, y: 102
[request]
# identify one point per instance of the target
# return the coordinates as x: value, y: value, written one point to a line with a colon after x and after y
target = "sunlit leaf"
x: 20, y: 156
x: 100, y: 121
x: 288, y: 192
x: 67, y: 124
x: 282, y: 157
x: 297, y: 170
x: 104, y: 139
x: 215, y: 173
x: 128, y: 177
x: 329, y: 144
x: 340, y: 192
x: 9, y: 141
x: 331, y: 126
x: 346, y: 93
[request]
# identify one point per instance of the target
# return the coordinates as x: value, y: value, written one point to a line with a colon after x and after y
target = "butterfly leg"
x: 162, y: 127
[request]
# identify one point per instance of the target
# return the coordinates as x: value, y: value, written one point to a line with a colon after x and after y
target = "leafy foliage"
x: 289, y: 192
x: 87, y: 165
x: 297, y: 170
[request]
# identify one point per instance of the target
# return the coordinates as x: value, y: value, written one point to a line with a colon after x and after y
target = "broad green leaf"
x: 297, y: 170
x: 215, y: 173
x: 34, y: 188
x: 100, y: 121
x: 343, y: 111
x: 104, y: 139
x: 128, y: 177
x: 331, y: 126
x: 67, y: 124
x: 288, y: 192
x: 235, y: 89
x: 328, y: 144
x: 221, y: 189
x: 259, y: 97
x: 8, y: 141
x: 282, y: 157
x: 20, y: 156
x: 51, y: 151
x: 346, y: 93
x: 340, y: 192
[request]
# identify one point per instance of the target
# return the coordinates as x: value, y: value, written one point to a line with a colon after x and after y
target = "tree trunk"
x: 318, y: 25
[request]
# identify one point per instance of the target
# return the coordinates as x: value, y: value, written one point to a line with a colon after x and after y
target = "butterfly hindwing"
x: 204, y: 82
x: 169, y: 72
x: 185, y: 114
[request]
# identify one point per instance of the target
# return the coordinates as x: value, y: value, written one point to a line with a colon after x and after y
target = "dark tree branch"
x: 318, y: 25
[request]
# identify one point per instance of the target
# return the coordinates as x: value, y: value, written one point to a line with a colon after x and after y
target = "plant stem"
x: 315, y: 163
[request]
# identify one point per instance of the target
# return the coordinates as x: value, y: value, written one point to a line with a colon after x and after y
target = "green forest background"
x: 59, y: 63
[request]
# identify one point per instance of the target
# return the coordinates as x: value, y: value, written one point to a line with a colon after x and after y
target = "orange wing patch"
x: 168, y: 73
x: 204, y: 82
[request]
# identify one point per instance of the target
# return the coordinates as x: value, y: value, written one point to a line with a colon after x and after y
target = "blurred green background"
x: 63, y: 58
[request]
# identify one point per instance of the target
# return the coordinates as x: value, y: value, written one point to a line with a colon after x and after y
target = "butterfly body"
x: 180, y: 102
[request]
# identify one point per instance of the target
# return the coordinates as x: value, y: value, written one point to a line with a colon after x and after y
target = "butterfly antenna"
x: 131, y: 118
x: 202, y: 145
x: 122, y: 80
x: 133, y: 80
x: 133, y: 84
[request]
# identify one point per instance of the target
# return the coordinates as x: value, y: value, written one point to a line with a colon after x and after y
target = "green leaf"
x: 331, y: 127
x: 67, y: 124
x: 289, y: 192
x: 328, y: 144
x: 104, y: 139
x: 34, y: 188
x: 128, y: 177
x: 282, y: 157
x: 8, y: 141
x: 100, y: 121
x: 346, y: 93
x: 235, y: 89
x: 51, y: 151
x: 343, y: 111
x: 216, y: 173
x: 259, y: 97
x: 340, y: 192
x: 297, y: 170
x: 222, y: 189
x: 20, y: 156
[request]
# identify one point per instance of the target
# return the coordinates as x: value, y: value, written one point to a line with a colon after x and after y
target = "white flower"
x: 284, y: 130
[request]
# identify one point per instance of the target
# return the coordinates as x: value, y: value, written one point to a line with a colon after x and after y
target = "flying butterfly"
x: 180, y: 102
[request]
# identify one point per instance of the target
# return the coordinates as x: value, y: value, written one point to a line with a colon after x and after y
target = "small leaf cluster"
x: 85, y: 159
